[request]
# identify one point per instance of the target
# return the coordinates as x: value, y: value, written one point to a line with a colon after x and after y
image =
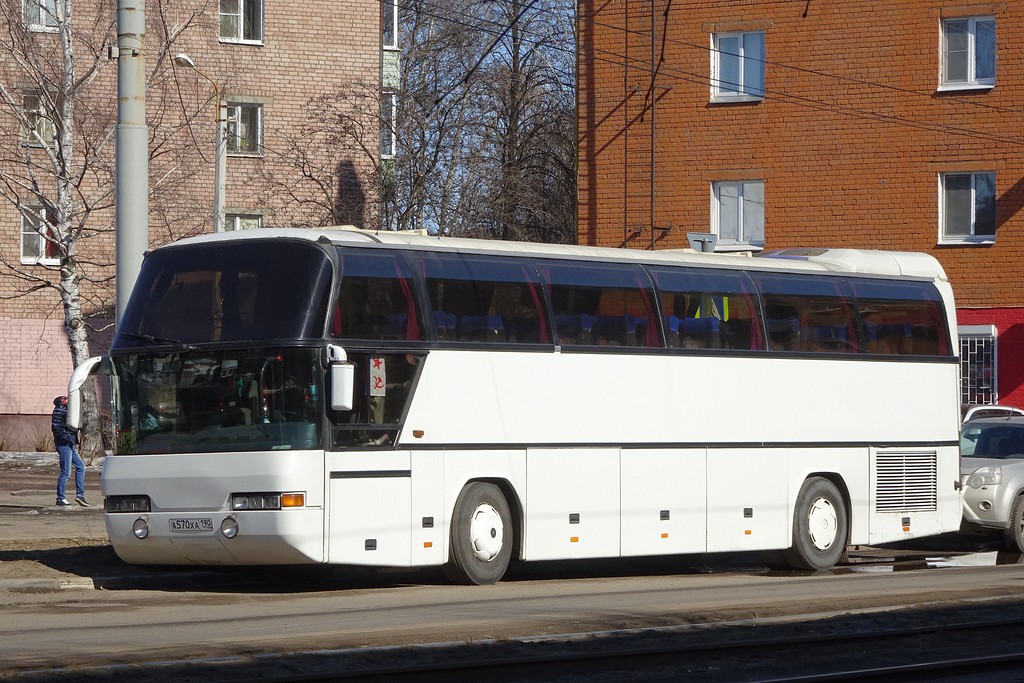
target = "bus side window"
x: 902, y: 318
x: 376, y: 299
x: 609, y: 305
x: 808, y: 314
x: 707, y: 308
x: 482, y: 299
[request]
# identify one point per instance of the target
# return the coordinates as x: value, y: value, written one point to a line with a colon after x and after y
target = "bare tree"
x: 486, y: 122
x: 485, y: 128
x: 57, y: 92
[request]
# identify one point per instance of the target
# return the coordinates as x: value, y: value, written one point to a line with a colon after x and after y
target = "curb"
x: 53, y: 584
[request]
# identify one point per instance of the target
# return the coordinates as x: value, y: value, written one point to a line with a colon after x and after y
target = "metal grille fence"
x: 978, y: 370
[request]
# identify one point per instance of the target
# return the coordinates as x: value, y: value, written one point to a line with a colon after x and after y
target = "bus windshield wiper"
x: 159, y: 340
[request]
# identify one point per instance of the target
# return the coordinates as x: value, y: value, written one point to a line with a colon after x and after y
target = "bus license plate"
x: 195, y: 525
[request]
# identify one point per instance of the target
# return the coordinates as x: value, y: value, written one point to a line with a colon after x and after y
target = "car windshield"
x: 992, y: 440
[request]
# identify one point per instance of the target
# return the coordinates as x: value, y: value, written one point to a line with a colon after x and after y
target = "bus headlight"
x: 126, y: 504
x: 140, y: 528
x: 985, y: 476
x: 229, y: 527
x: 267, y: 501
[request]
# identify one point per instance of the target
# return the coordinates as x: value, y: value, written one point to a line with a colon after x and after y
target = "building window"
x: 242, y: 221
x: 241, y: 21
x: 968, y: 207
x: 38, y: 243
x: 969, y: 53
x: 389, y: 24
x: 737, y: 213
x: 978, y: 358
x: 38, y: 131
x: 388, y: 114
x: 245, y: 129
x: 41, y: 15
x: 737, y: 66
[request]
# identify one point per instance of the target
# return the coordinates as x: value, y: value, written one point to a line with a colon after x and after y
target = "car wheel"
x: 1013, y: 536
x: 820, y: 526
x: 481, y: 536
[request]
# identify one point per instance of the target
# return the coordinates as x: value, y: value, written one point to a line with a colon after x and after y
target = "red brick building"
x: 893, y: 125
x: 270, y: 62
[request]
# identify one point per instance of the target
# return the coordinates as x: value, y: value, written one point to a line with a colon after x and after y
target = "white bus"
x: 400, y: 400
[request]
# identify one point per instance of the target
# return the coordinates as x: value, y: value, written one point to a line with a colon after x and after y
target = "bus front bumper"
x: 258, y: 537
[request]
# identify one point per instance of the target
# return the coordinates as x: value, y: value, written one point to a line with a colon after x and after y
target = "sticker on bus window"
x: 378, y: 377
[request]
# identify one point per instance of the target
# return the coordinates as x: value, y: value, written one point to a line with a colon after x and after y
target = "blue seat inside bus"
x: 481, y: 328
x: 445, y: 324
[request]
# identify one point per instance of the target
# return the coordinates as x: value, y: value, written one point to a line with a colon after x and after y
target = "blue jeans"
x: 69, y: 456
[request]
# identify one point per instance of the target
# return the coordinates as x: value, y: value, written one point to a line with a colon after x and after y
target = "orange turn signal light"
x: 293, y: 500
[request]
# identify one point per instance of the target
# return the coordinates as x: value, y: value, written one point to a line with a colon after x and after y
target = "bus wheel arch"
x: 821, y: 524
x: 483, y: 534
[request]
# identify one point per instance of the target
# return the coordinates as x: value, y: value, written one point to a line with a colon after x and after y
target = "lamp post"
x: 220, y: 169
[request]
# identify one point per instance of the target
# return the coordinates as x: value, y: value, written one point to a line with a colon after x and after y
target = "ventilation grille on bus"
x: 906, y: 481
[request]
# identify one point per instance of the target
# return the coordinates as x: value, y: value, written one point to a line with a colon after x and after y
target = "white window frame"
x: 388, y: 125
x: 972, y: 81
x: 979, y: 364
x: 32, y: 220
x: 243, y: 221
x: 389, y: 24
x: 40, y: 131
x: 245, y: 8
x: 237, y: 129
x: 742, y: 91
x: 743, y: 242
x: 971, y: 237
x: 41, y: 16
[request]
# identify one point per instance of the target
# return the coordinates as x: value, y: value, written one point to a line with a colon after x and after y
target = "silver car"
x: 992, y: 473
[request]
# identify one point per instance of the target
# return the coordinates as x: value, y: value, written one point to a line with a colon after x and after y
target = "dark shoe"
x: 82, y: 502
x: 63, y: 502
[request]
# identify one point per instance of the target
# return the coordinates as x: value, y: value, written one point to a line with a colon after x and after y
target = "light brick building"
x: 891, y: 125
x: 271, y: 63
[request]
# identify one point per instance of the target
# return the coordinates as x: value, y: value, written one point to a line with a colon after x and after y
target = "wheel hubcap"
x: 486, y: 532
x: 822, y: 524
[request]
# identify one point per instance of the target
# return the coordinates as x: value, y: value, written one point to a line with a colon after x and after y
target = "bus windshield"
x: 205, y: 401
x: 228, y: 292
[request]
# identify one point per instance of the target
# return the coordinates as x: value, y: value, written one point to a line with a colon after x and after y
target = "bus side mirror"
x: 84, y: 370
x: 342, y: 378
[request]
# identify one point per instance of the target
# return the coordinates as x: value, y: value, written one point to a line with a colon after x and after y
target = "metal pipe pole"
x: 131, y: 171
x: 220, y: 174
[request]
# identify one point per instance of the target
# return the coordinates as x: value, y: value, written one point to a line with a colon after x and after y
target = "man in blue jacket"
x: 66, y: 441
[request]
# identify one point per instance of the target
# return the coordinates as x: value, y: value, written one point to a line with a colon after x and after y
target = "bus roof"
x: 865, y: 261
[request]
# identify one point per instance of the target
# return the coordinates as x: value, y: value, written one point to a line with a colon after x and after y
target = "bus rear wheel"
x: 820, y: 526
x: 481, y: 536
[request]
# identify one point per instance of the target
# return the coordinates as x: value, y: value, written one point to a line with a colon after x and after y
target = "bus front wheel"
x: 820, y: 526
x: 481, y: 536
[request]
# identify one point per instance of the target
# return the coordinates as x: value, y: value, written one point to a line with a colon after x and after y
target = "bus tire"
x: 481, y: 536
x: 1013, y: 535
x: 820, y: 526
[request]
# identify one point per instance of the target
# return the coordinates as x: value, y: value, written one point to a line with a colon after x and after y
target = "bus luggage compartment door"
x: 369, y: 512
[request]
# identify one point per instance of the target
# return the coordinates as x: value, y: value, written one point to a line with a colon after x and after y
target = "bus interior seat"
x: 444, y: 323
x: 832, y: 337
x: 672, y: 324
x: 784, y: 333
x: 701, y: 333
x: 481, y: 328
x: 395, y: 326
x: 576, y: 329
x: 888, y: 337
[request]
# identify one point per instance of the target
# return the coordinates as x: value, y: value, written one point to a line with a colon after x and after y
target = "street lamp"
x: 220, y: 170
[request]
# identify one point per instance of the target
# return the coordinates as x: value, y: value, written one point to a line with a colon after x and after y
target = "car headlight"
x: 985, y: 476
